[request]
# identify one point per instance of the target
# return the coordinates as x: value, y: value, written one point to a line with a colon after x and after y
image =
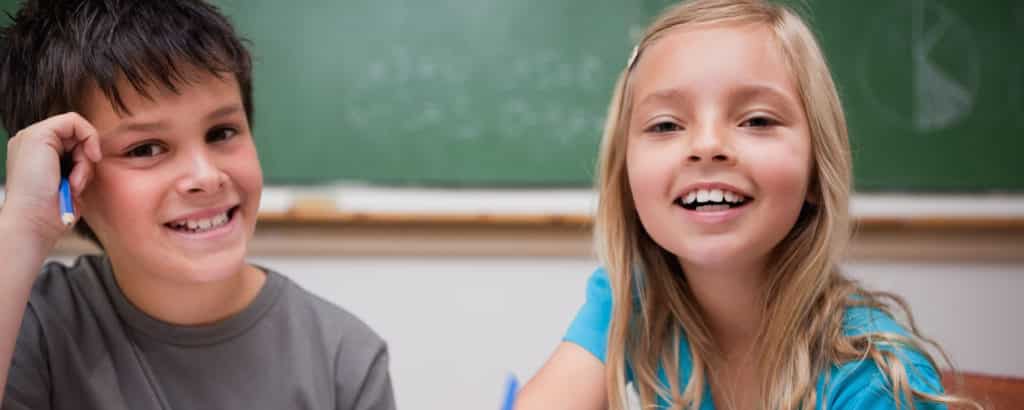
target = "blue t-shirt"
x: 852, y: 385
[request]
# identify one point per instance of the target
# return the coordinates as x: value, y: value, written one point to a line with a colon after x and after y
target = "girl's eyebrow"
x: 769, y: 92
x: 742, y: 92
x: 664, y: 95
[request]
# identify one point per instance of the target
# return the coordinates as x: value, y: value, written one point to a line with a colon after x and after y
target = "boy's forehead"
x: 123, y: 99
x: 157, y: 101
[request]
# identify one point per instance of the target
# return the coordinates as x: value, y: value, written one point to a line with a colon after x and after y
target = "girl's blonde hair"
x: 806, y: 296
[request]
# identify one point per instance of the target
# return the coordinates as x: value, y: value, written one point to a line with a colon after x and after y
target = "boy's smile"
x: 719, y: 152
x: 175, y: 198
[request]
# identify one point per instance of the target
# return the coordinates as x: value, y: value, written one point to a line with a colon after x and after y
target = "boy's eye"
x: 145, y: 150
x: 220, y: 134
x: 759, y: 122
x: 664, y: 126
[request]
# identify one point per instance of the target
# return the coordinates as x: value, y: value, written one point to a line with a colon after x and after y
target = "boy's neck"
x: 731, y: 302
x: 188, y: 304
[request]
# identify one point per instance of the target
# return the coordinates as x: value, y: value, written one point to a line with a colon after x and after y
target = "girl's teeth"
x: 712, y: 208
x: 715, y: 195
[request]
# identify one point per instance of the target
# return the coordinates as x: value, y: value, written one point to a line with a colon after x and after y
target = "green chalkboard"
x: 933, y: 91
x: 513, y: 93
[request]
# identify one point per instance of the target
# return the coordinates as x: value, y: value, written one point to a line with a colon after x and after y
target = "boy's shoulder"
x: 322, y: 316
x: 67, y: 290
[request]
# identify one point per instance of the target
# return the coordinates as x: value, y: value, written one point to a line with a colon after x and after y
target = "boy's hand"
x: 33, y: 172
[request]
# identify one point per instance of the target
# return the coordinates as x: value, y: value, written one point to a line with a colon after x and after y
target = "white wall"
x: 457, y: 326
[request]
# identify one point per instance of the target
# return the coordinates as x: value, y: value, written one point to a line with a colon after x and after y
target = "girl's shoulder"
x: 863, y: 320
x: 863, y: 383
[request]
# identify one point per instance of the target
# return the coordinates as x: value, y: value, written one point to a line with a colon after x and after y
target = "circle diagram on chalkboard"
x: 919, y: 66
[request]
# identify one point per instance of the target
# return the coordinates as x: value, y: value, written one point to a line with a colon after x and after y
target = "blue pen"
x: 511, y: 386
x: 67, y: 207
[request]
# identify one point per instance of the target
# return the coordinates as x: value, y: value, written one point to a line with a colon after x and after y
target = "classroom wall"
x: 457, y: 325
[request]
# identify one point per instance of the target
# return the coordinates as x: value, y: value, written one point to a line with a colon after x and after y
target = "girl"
x: 724, y: 189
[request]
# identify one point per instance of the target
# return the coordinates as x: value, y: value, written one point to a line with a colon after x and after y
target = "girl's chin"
x: 718, y: 259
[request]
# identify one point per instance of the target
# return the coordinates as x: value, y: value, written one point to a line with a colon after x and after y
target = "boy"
x: 156, y: 99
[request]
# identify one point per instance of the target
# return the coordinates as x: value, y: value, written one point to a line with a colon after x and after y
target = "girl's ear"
x: 813, y: 192
x: 812, y: 196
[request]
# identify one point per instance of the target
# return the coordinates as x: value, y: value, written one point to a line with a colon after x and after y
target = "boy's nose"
x: 202, y: 176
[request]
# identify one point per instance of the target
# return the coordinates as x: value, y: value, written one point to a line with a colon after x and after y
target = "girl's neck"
x: 730, y: 299
x: 190, y: 304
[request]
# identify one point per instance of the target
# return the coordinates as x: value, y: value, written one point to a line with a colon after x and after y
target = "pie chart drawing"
x: 940, y: 87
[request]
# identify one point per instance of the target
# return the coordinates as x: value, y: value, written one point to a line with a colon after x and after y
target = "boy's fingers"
x: 80, y: 176
x: 74, y: 131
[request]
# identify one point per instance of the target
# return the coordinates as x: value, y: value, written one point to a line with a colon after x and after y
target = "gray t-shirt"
x: 83, y: 345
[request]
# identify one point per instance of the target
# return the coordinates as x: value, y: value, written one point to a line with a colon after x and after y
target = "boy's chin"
x: 212, y: 267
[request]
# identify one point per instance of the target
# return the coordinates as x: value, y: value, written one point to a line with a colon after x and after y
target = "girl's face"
x: 719, y: 151
x: 176, y: 194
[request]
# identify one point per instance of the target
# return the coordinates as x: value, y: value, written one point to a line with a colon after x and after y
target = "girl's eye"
x: 759, y: 122
x: 220, y: 134
x: 664, y: 126
x: 145, y: 150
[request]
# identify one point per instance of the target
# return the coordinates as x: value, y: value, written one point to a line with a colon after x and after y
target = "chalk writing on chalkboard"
x: 449, y: 74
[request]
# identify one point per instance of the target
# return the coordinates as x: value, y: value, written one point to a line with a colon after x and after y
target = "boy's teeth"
x: 204, y: 224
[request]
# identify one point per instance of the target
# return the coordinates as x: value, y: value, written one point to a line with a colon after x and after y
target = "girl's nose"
x: 710, y: 144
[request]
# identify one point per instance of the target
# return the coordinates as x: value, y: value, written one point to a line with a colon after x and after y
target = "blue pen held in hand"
x: 511, y: 387
x: 67, y: 207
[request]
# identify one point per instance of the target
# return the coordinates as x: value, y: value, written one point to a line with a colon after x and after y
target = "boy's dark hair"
x: 54, y: 50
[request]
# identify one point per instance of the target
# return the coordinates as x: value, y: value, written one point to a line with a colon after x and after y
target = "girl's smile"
x: 713, y: 203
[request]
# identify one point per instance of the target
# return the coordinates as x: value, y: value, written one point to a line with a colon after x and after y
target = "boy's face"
x: 176, y: 194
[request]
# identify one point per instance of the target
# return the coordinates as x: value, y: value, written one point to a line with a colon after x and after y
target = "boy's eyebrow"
x: 224, y: 111
x: 140, y: 127
x: 144, y: 127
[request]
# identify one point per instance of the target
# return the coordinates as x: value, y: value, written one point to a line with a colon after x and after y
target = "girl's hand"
x: 33, y: 173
